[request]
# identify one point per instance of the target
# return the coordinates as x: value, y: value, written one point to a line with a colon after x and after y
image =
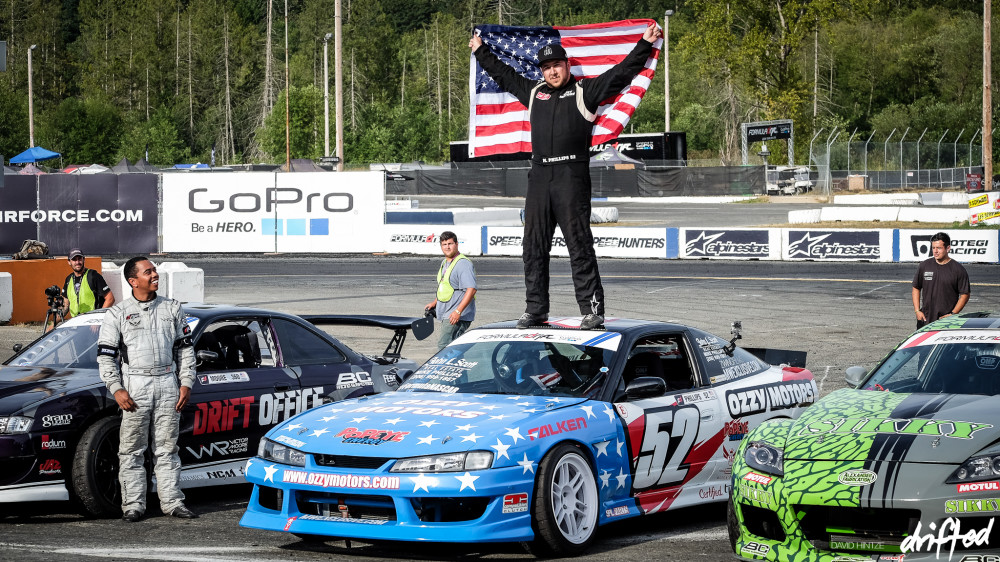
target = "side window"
x: 722, y: 367
x: 237, y: 344
x: 663, y: 356
x: 301, y: 346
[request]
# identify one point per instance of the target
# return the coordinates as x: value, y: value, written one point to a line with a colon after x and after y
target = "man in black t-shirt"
x: 85, y: 289
x: 941, y: 281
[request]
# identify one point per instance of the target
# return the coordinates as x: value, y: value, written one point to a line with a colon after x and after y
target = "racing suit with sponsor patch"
x: 153, y: 340
x: 559, y: 180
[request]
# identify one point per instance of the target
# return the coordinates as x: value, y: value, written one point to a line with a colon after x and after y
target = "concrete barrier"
x: 6, y: 296
x: 804, y: 216
x: 933, y: 215
x: 944, y: 198
x: 875, y: 198
x: 183, y: 283
x: 858, y: 214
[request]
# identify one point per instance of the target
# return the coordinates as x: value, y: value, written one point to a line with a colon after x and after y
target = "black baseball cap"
x: 75, y: 252
x: 551, y: 52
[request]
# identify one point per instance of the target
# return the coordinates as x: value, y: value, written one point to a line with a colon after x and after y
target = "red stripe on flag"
x: 499, y: 108
x: 503, y: 128
x: 509, y: 148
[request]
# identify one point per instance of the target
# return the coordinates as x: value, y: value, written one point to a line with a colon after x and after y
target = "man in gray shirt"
x: 455, y: 303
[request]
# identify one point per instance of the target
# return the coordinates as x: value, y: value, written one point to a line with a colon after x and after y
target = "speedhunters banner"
x: 702, y: 243
x: 100, y: 213
x: 318, y: 212
x: 615, y: 242
x: 834, y: 245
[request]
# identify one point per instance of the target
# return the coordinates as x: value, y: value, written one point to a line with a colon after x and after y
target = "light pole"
x: 31, y: 103
x: 326, y: 93
x: 666, y: 70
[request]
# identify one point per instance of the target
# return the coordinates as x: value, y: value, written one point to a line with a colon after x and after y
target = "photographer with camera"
x: 85, y: 289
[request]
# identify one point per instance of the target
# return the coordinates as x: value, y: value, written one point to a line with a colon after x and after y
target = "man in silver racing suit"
x: 153, y: 339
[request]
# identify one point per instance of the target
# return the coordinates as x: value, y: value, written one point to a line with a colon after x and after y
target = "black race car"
x: 256, y: 368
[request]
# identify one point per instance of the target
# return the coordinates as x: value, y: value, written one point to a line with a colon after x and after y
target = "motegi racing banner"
x: 615, y: 242
x: 966, y: 245
x: 426, y: 239
x: 101, y: 213
x: 837, y: 245
x: 750, y: 243
x: 272, y: 212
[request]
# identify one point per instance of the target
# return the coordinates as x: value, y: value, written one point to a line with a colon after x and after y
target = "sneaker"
x: 131, y: 516
x: 184, y: 513
x: 592, y: 321
x: 528, y: 320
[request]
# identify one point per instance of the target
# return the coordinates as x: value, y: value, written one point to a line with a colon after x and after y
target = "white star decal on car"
x: 530, y: 411
x: 527, y: 465
x: 246, y: 470
x: 556, y: 400
x: 470, y: 437
x: 319, y: 432
x: 421, y: 481
x: 468, y: 481
x: 498, y: 417
x: 269, y: 473
x: 491, y: 407
x: 334, y: 410
x: 514, y: 397
x: 465, y: 427
x: 621, y: 478
x: 620, y: 443
x: 514, y: 433
x: 522, y: 403
x: 425, y: 440
x: 480, y: 395
x: 359, y: 420
x: 428, y: 423
x: 610, y: 413
x: 602, y: 448
x: 394, y: 421
x: 533, y: 435
x: 292, y: 427
x: 328, y: 418
x: 589, y: 410
x: 605, y: 478
x: 501, y: 449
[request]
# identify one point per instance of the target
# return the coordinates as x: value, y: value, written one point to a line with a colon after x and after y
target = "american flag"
x: 498, y: 123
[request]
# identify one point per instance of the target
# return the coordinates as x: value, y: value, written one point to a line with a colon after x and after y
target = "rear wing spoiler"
x: 421, y: 327
x: 779, y: 356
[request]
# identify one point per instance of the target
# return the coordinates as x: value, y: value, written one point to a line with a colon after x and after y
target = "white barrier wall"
x: 966, y: 245
x: 837, y: 244
x: 612, y: 242
x: 426, y: 239
x: 272, y: 212
x: 6, y: 296
x: 730, y: 243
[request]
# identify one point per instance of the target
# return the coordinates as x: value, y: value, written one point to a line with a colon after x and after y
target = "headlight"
x: 14, y: 424
x: 765, y: 458
x: 451, y: 462
x: 986, y: 467
x: 271, y: 451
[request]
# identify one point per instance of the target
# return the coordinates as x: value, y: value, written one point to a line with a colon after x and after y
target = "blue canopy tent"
x: 34, y: 154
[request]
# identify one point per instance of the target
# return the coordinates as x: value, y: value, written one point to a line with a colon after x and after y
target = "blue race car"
x: 536, y: 436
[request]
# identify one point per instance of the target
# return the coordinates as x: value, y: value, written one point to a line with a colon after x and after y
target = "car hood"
x: 403, y: 424
x: 22, y: 386
x: 866, y: 425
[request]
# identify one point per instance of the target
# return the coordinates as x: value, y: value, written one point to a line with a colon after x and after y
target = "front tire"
x: 566, y: 503
x: 732, y: 524
x: 94, y: 482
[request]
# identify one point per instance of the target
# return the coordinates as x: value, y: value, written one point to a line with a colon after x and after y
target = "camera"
x: 54, y: 296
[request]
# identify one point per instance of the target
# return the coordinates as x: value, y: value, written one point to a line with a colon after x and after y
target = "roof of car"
x: 967, y: 321
x: 622, y: 325
x: 208, y: 312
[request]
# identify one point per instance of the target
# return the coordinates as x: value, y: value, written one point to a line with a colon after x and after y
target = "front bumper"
x: 482, y: 506
x: 809, y: 515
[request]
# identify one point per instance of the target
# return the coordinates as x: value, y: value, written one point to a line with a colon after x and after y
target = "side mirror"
x: 645, y: 387
x: 18, y: 347
x: 855, y: 375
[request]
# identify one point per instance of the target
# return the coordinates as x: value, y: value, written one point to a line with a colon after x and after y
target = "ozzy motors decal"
x: 777, y: 396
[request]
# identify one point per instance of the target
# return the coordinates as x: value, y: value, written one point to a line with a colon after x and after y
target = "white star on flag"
x: 605, y: 478
x: 589, y: 410
x: 602, y: 448
x: 501, y: 449
x: 465, y: 427
x: 394, y: 421
x: 425, y: 440
x: 269, y: 473
x: 428, y: 423
x: 292, y: 427
x: 470, y: 437
x: 468, y: 481
x: 514, y: 433
x: 319, y: 432
x: 421, y: 481
x: 527, y: 465
x: 621, y: 478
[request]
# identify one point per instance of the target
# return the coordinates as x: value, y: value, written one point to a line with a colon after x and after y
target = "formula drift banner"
x: 750, y: 243
x: 318, y: 212
x: 966, y: 245
x: 613, y: 242
x: 426, y: 239
x: 827, y: 245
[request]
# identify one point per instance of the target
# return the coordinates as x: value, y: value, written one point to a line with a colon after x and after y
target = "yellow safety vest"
x: 83, y: 302
x: 445, y: 290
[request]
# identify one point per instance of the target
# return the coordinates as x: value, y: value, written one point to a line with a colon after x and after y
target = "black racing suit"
x: 559, y: 180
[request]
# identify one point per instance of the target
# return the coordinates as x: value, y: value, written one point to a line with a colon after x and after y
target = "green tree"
x: 306, y: 118
x: 159, y: 135
x: 84, y: 131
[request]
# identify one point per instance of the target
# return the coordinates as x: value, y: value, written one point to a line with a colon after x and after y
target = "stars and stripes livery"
x: 498, y: 123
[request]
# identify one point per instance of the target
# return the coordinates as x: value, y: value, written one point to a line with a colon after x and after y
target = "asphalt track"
x: 842, y: 314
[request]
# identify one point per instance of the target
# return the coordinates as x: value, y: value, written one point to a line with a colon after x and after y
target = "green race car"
x: 904, y: 467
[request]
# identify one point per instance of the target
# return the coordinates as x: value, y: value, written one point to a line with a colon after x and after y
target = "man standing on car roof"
x: 941, y: 281
x: 455, y: 301
x: 153, y: 339
x: 562, y: 111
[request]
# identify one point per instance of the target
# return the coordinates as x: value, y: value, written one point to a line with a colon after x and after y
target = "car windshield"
x: 73, y: 347
x: 478, y: 364
x: 965, y: 366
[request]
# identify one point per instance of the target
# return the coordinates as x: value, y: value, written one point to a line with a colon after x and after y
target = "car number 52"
x: 669, y: 434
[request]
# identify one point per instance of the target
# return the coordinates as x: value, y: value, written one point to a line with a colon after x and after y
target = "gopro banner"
x: 613, y: 242
x: 426, y: 239
x: 966, y: 245
x: 837, y: 245
x: 318, y: 212
x: 749, y: 243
